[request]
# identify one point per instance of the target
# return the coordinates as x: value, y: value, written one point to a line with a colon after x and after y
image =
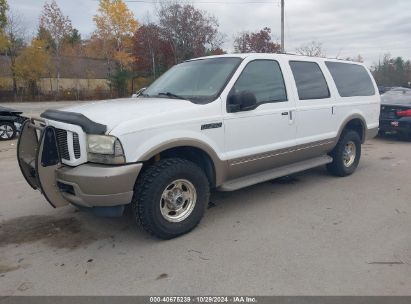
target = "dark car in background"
x: 395, y: 114
x: 10, y: 123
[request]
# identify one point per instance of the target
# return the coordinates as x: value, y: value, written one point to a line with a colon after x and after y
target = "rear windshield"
x: 351, y: 79
x: 397, y: 97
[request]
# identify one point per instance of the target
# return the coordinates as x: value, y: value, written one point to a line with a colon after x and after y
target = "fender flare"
x: 347, y: 121
x: 220, y: 166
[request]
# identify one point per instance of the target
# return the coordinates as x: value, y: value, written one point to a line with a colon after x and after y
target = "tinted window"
x: 310, y: 80
x: 263, y: 78
x: 351, y: 79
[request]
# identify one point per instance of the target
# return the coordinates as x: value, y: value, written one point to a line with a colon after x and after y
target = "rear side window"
x: 310, y: 80
x: 351, y: 79
x: 264, y: 79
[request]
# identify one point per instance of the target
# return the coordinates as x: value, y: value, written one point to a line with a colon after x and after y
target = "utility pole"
x: 282, y: 27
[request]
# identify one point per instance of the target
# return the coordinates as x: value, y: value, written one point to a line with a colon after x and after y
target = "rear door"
x: 314, y: 104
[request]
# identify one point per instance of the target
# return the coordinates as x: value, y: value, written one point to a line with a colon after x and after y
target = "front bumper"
x: 88, y: 185
x: 92, y: 185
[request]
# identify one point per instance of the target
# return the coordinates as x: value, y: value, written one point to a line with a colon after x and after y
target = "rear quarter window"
x: 351, y: 79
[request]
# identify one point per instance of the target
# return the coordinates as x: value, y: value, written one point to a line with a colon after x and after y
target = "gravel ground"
x: 310, y: 234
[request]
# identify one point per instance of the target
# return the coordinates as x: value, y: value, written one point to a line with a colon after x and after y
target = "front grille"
x: 76, y: 146
x: 64, y: 143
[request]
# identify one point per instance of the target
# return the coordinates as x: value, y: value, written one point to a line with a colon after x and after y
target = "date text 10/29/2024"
x: 204, y: 299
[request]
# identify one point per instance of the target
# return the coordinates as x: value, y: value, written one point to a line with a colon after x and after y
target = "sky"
x: 345, y: 28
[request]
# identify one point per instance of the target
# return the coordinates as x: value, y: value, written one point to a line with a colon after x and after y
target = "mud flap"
x: 47, y: 162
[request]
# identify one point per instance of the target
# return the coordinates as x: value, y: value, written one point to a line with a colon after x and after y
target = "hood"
x: 113, y: 112
x: 4, y: 111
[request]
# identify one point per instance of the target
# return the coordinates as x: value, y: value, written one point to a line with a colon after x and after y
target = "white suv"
x: 221, y: 122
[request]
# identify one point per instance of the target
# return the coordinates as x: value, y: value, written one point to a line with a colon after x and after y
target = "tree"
x: 392, y: 71
x: 258, y: 42
x: 14, y: 43
x: 32, y: 63
x: 115, y: 27
x: 4, y: 7
x: 151, y: 51
x: 58, y: 28
x: 188, y: 30
x: 93, y: 47
x: 359, y: 58
x: 312, y: 49
x: 73, y: 45
x: 74, y: 37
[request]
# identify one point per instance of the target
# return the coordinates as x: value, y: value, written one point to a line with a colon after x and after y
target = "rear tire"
x: 170, y: 197
x: 346, y: 155
x: 7, y: 130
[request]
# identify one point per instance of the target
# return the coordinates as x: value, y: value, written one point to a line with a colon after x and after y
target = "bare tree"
x: 312, y: 49
x: 359, y: 58
x: 59, y: 27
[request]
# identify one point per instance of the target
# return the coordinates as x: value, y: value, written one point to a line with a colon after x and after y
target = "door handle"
x: 284, y: 113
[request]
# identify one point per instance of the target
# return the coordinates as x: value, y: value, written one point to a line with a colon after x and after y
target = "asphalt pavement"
x: 308, y: 234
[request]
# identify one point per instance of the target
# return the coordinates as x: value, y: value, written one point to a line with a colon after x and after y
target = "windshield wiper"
x: 169, y: 94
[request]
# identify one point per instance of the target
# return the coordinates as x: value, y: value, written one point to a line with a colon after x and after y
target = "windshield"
x: 199, y: 81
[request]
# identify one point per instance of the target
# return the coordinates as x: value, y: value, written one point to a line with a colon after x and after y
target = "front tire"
x: 170, y: 197
x: 7, y: 130
x: 346, y: 155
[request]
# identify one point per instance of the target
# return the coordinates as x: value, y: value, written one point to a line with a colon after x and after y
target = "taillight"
x: 405, y: 113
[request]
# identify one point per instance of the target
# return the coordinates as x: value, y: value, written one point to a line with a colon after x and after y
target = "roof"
x: 71, y: 67
x: 277, y: 55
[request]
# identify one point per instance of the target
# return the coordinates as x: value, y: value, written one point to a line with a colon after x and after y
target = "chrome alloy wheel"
x: 349, y: 154
x: 178, y: 200
x: 6, y: 131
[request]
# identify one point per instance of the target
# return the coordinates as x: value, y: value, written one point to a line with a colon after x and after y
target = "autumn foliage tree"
x: 153, y: 54
x: 189, y: 31
x: 115, y: 27
x: 256, y: 42
x: 32, y: 64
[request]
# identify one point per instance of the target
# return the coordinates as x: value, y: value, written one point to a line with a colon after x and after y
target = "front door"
x: 256, y: 138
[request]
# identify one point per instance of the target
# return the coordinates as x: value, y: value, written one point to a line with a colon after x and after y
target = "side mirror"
x: 241, y: 101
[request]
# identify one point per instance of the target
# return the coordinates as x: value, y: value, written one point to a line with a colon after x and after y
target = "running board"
x: 264, y: 176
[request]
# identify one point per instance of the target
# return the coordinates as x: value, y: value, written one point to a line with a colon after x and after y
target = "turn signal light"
x: 405, y: 113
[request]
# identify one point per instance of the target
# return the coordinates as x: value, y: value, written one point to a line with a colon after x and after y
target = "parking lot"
x: 309, y: 234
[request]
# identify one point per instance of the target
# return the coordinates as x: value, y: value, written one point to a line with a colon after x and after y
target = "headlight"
x: 105, y: 149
